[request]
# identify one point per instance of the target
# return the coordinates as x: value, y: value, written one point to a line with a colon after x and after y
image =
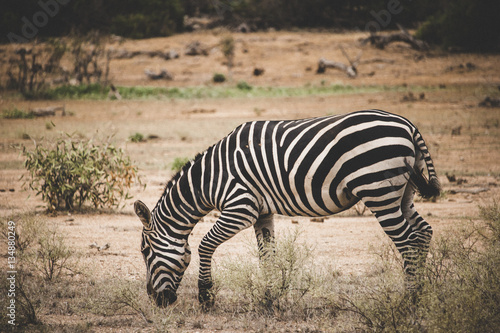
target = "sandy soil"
x: 289, y: 59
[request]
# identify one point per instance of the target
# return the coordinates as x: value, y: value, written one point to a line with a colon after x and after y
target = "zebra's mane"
x: 183, y: 170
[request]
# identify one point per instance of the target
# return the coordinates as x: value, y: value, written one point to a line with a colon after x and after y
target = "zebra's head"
x: 166, y: 259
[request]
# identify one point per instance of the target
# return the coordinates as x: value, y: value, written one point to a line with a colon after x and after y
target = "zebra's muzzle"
x: 162, y: 298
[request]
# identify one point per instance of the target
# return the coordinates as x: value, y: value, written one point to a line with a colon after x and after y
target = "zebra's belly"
x: 309, y: 204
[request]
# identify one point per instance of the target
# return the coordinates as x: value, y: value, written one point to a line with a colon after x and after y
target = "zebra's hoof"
x: 206, y: 298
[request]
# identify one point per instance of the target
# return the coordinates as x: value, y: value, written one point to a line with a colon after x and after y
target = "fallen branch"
x: 469, y: 190
x: 48, y: 111
x: 125, y: 54
x: 323, y: 64
x: 351, y: 70
x: 381, y: 41
x: 164, y: 74
x: 196, y: 48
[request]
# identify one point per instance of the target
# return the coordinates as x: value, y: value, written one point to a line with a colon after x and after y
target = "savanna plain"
x: 337, y: 274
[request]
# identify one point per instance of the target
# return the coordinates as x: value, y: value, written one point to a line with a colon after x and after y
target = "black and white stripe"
x: 308, y: 167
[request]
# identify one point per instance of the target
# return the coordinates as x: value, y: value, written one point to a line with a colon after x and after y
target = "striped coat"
x: 308, y: 167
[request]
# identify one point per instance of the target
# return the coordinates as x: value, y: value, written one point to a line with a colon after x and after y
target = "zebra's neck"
x: 180, y: 207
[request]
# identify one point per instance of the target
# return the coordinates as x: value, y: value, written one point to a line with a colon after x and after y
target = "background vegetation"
x: 465, y: 24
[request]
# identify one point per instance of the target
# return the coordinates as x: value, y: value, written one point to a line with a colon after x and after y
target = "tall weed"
x: 286, y: 283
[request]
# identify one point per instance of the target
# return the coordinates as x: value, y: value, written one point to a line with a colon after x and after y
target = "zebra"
x: 308, y: 167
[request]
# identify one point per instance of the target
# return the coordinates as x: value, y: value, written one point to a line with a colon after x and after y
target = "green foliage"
x: 178, y: 163
x: 68, y: 173
x: 16, y: 113
x: 243, y: 85
x: 228, y: 45
x: 219, y: 78
x: 87, y: 91
x: 464, y: 24
x: 137, y: 137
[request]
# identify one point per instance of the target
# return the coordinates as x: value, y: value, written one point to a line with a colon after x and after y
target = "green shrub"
x: 137, y: 137
x: 178, y: 163
x: 227, y: 44
x: 243, y: 85
x: 218, y: 78
x: 69, y: 172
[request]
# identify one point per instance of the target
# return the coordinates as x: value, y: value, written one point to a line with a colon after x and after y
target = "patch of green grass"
x: 16, y: 113
x: 87, y: 91
x: 240, y: 90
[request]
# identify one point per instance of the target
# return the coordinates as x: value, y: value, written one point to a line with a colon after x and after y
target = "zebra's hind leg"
x: 388, y: 211
x: 264, y: 232
x: 420, y: 227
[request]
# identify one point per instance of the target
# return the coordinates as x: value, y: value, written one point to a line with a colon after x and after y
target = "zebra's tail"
x: 427, y: 188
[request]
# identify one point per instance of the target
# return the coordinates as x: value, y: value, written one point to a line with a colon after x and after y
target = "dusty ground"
x: 289, y: 59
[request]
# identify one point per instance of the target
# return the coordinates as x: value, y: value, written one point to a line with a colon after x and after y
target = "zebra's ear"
x: 143, y: 212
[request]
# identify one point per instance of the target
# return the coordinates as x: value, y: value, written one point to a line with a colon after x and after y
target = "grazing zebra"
x: 308, y: 167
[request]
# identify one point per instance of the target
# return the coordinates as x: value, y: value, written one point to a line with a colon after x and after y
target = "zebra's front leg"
x: 264, y: 232
x: 229, y: 224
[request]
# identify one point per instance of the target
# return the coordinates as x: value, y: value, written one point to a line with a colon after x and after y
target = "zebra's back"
x: 315, y: 166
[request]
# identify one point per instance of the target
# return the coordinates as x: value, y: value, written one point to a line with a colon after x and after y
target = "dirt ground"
x: 452, y: 94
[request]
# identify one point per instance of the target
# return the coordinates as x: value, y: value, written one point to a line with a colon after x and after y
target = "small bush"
x: 41, y: 257
x: 219, y: 78
x: 70, y: 172
x: 228, y: 45
x: 242, y: 85
x: 137, y: 137
x: 53, y: 254
x: 178, y: 163
x: 285, y: 283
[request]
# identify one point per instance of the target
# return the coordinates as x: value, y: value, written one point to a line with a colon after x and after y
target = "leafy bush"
x: 218, y: 78
x: 70, y: 172
x: 178, y: 163
x: 137, y: 137
x: 243, y: 85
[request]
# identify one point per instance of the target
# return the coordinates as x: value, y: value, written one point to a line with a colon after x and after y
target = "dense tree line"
x: 22, y: 20
x: 467, y: 24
